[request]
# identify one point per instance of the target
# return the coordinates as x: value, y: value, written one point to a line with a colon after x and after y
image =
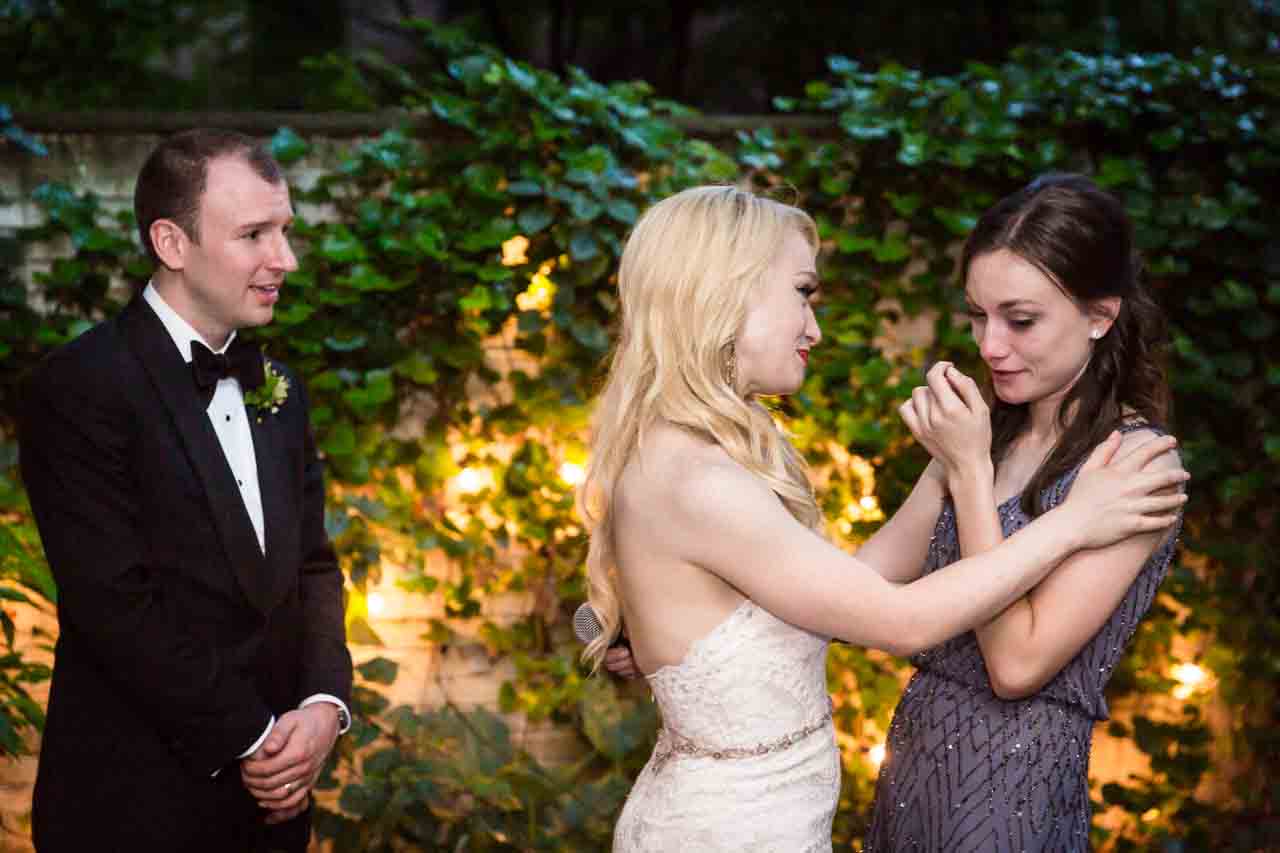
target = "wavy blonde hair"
x: 690, y: 269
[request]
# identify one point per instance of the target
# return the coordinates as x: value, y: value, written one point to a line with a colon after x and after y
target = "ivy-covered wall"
x: 451, y: 316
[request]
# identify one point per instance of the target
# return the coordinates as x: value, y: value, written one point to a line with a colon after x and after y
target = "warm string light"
x: 876, y: 755
x: 376, y: 604
x: 572, y: 473
x: 1190, y: 677
x: 513, y: 251
x: 541, y: 292
x: 865, y: 508
x: 470, y: 480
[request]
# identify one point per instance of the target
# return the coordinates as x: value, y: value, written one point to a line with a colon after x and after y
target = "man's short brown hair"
x: 172, y: 181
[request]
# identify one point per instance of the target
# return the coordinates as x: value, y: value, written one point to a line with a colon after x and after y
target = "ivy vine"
x: 454, y: 305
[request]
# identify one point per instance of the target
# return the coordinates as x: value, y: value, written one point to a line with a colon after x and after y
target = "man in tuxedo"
x: 201, y: 672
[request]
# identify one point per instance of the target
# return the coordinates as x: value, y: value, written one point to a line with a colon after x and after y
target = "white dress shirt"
x: 231, y: 424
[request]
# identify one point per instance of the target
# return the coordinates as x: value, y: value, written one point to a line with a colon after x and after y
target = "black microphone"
x: 586, y: 625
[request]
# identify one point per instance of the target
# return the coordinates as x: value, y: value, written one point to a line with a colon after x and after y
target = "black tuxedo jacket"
x: 178, y: 639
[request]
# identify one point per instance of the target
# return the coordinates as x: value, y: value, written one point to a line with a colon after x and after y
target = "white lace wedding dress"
x: 746, y: 759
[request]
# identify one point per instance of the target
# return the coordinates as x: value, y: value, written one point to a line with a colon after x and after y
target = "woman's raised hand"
x: 950, y: 419
x: 1118, y: 496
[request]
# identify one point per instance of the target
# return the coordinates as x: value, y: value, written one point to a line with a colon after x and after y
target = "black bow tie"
x: 242, y: 360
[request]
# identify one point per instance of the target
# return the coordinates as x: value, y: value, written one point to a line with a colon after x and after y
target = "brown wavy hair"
x: 1081, y: 238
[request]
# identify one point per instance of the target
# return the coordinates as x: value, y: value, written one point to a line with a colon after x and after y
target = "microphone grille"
x: 586, y: 626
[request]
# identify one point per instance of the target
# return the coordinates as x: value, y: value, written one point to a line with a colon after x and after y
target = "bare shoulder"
x: 691, y: 478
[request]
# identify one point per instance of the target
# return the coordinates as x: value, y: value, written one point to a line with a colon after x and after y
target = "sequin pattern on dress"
x: 968, y: 771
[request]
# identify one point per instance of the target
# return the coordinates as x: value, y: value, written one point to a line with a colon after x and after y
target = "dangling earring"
x: 731, y: 366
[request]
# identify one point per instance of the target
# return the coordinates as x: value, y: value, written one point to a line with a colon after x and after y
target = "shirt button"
x: 228, y: 418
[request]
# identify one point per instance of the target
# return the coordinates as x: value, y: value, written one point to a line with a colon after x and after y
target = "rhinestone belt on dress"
x: 671, y: 743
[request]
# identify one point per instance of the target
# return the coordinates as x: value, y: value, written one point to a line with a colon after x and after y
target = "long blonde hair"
x: 690, y: 268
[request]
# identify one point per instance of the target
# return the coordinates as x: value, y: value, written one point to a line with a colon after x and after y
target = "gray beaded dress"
x: 968, y: 771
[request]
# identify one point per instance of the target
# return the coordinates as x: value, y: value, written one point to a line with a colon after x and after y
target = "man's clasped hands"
x: 284, y: 769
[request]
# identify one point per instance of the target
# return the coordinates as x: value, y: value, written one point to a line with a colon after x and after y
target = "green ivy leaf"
x: 287, y: 147
x: 533, y: 219
x: 524, y: 188
x: 478, y: 298
x: 583, y: 246
x: 341, y: 440
x: 379, y: 670
x: 958, y: 222
x: 349, y: 344
x: 418, y: 367
x: 341, y: 246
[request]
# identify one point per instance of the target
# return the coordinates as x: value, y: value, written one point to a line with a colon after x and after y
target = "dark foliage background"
x: 718, y: 55
x: 415, y: 305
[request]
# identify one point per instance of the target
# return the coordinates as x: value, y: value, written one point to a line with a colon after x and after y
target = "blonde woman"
x: 706, y: 537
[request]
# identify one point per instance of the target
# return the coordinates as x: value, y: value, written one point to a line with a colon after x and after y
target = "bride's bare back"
x: 668, y: 601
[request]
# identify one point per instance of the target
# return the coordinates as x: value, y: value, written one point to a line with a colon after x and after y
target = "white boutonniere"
x: 271, y: 394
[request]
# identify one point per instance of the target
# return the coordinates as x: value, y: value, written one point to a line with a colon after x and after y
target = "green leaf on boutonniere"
x: 271, y: 394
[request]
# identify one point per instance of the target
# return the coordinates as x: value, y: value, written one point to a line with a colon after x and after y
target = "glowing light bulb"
x: 869, y: 503
x: 513, y: 251
x: 1189, y: 674
x: 876, y: 754
x: 469, y: 481
x: 1189, y: 677
x: 376, y: 603
x: 540, y: 293
x: 572, y: 473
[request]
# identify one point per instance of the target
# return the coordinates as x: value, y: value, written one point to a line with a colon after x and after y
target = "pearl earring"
x: 1094, y: 335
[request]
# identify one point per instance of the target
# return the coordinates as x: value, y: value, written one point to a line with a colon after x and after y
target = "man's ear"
x: 170, y: 242
x: 1102, y: 314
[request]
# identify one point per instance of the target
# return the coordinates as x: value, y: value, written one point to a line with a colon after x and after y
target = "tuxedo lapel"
x: 176, y: 389
x: 277, y: 508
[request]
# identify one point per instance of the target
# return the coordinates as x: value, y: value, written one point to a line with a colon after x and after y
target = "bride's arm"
x: 897, y: 551
x: 727, y: 520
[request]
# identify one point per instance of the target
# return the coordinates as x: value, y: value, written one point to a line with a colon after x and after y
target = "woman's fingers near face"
x: 907, y: 411
x: 943, y: 394
x: 923, y: 405
x: 966, y: 389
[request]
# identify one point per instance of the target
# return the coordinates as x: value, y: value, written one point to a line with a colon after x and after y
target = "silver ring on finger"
x: 288, y: 787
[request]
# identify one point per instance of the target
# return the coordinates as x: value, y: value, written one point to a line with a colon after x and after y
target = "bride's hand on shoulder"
x: 951, y: 420
x: 1119, y: 495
